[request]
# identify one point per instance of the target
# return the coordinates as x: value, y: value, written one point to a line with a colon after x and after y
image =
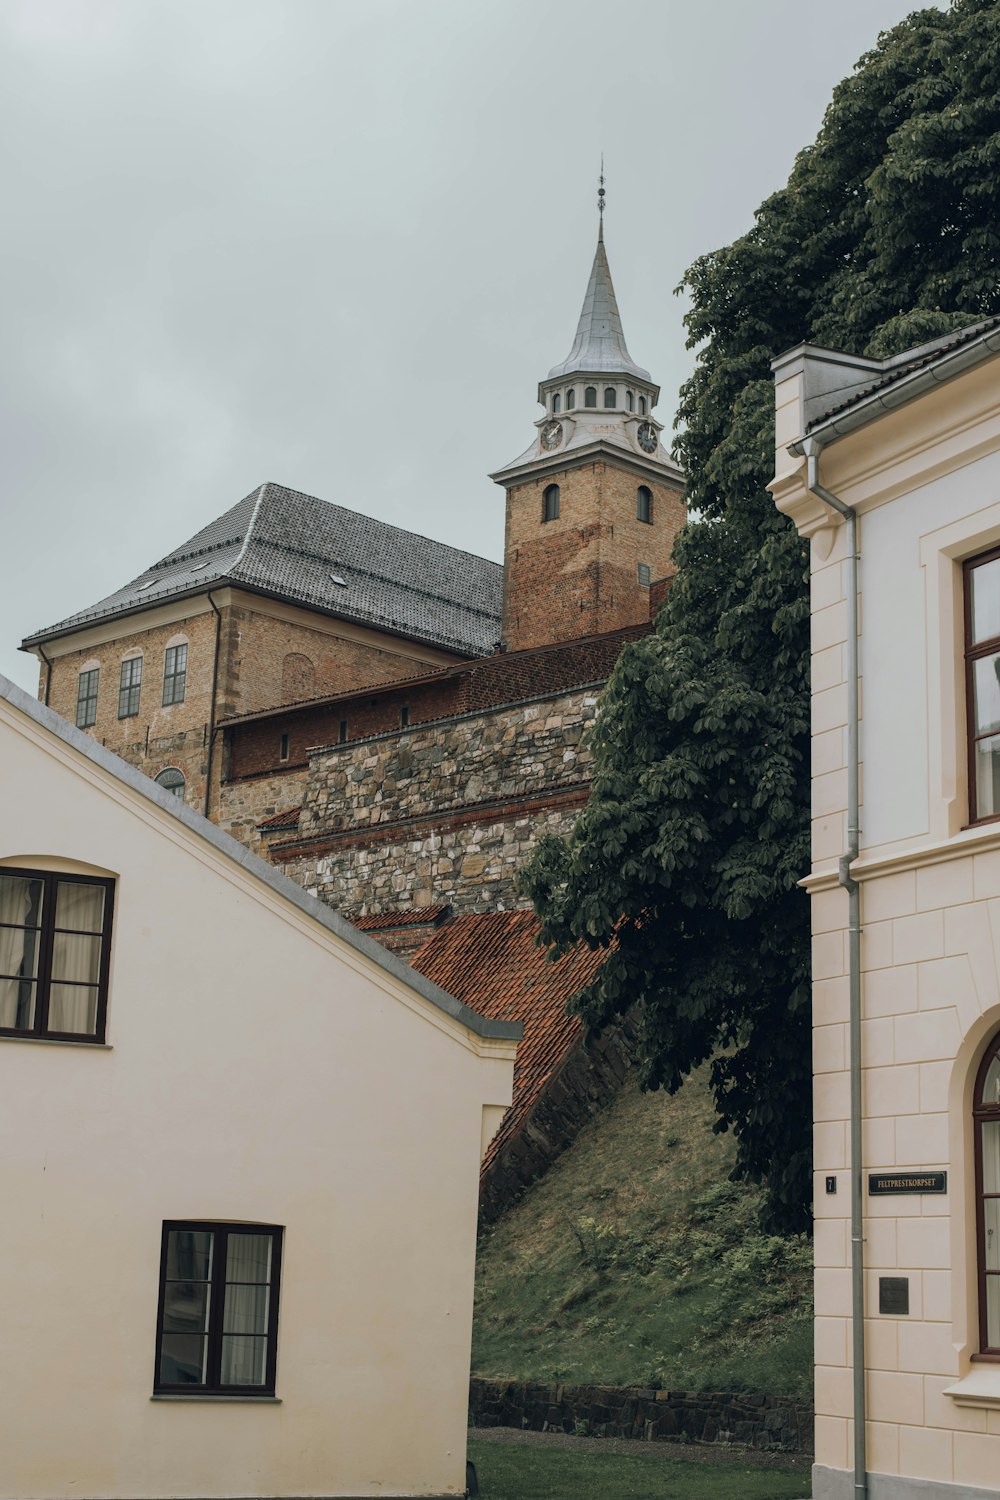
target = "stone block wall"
x: 752, y: 1421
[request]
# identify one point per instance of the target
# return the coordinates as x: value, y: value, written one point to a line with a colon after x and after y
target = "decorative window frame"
x: 984, y: 1113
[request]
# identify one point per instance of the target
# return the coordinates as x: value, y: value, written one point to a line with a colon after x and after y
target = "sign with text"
x: 907, y: 1182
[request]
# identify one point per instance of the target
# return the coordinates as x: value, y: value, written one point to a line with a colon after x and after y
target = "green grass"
x: 530, y: 1473
x: 635, y: 1261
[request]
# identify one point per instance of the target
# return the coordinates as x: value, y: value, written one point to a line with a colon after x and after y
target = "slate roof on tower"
x: 599, y: 345
x: 295, y: 547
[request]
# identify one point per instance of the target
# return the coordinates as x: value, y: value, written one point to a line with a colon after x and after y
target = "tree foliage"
x: 685, y: 860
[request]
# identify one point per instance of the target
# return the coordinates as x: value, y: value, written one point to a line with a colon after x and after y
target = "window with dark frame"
x: 550, y: 503
x: 644, y: 504
x: 86, y: 697
x: 175, y: 660
x: 130, y: 687
x: 556, y: 403
x: 590, y: 396
x: 283, y: 749
x: 55, y: 954
x: 986, y: 1113
x: 644, y: 576
x: 217, y: 1313
x: 172, y: 780
x: 404, y: 715
x: 610, y: 396
x: 570, y: 399
x: 982, y: 680
x: 342, y: 739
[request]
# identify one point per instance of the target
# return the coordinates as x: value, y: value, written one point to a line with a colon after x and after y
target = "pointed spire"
x: 599, y: 345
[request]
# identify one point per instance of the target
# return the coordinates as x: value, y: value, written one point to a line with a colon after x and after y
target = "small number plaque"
x: 894, y: 1295
x: 880, y: 1183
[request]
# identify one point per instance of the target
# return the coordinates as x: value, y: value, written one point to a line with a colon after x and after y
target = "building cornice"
x: 587, y: 453
x: 983, y: 839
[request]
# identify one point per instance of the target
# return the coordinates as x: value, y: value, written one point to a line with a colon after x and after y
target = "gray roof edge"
x: 252, y: 863
x: 907, y: 388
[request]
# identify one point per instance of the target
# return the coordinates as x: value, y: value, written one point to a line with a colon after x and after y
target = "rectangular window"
x: 283, y: 749
x: 130, y: 687
x: 644, y: 575
x: 86, y: 698
x: 55, y: 953
x: 343, y: 732
x: 217, y: 1321
x: 982, y: 679
x: 404, y: 715
x: 175, y: 662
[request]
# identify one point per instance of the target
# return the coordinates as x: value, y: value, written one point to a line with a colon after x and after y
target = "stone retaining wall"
x: 766, y: 1422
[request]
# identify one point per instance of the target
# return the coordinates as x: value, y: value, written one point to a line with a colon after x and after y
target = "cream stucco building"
x: 240, y: 1179
x: 911, y: 449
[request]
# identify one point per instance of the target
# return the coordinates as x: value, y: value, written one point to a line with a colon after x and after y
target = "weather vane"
x: 600, y: 192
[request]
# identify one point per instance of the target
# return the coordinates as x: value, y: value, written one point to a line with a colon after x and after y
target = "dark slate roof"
x: 900, y: 366
x: 292, y: 546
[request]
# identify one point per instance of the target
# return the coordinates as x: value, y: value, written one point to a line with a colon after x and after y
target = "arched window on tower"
x: 556, y: 402
x: 644, y: 504
x: 642, y: 406
x: 570, y: 399
x: 550, y: 503
x: 986, y: 1112
x: 610, y: 396
x: 630, y: 400
x: 590, y: 396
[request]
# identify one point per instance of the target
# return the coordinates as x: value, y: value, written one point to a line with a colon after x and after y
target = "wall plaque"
x: 880, y: 1183
x: 894, y: 1295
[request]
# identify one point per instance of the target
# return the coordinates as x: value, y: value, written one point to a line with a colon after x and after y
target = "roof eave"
x: 552, y: 463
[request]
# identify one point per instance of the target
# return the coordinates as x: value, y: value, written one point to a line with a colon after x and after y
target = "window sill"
x: 210, y: 1396
x: 58, y: 1041
x: 981, y: 1387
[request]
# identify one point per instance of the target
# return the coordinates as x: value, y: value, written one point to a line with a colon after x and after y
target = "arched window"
x: 986, y: 1109
x: 610, y: 396
x: 644, y: 504
x: 556, y: 402
x: 172, y: 780
x: 570, y: 399
x: 298, y: 677
x: 630, y: 400
x: 550, y: 503
x: 590, y: 396
x: 642, y: 406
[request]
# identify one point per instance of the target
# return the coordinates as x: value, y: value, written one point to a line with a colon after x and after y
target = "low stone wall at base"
x: 749, y: 1421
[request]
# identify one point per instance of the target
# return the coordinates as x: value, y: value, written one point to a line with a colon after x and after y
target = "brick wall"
x: 578, y: 574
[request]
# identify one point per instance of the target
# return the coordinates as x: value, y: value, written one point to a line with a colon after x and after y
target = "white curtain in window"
x: 20, y: 903
x: 76, y: 958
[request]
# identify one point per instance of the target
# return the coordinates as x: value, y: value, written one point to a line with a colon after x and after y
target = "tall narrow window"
x: 175, y: 661
x: 404, y: 715
x: 570, y: 399
x: 342, y: 739
x: 283, y: 750
x: 55, y: 954
x: 86, y: 698
x: 982, y: 676
x: 556, y: 402
x: 642, y: 406
x: 217, y: 1318
x: 643, y: 575
x: 644, y: 504
x: 630, y: 400
x: 986, y: 1111
x: 590, y: 396
x: 550, y: 503
x: 610, y: 396
x: 130, y: 687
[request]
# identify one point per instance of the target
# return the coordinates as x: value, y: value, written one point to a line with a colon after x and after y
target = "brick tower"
x: 594, y: 504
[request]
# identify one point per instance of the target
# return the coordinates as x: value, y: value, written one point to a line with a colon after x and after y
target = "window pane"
x: 248, y: 1257
x: 992, y: 1247
x: 246, y: 1309
x: 991, y: 1085
x: 185, y: 1307
x: 189, y: 1254
x: 73, y: 1007
x: 182, y: 1359
x: 79, y: 907
x: 76, y: 957
x: 17, y: 1003
x: 986, y: 601
x: 986, y: 689
x: 991, y: 1156
x: 244, y: 1360
x: 993, y: 1311
x: 988, y: 777
x: 19, y: 952
x: 20, y: 900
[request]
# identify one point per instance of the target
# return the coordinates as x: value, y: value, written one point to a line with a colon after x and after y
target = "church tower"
x: 594, y: 504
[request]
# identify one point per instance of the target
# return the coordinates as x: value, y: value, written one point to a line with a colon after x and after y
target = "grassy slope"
x: 635, y: 1261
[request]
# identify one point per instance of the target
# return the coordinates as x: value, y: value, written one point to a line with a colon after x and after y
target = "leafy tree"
x: 686, y: 857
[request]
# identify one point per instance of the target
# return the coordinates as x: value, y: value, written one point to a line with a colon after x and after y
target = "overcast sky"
x: 336, y: 243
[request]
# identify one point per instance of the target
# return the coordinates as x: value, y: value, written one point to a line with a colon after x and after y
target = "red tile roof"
x: 414, y: 916
x: 490, y: 961
x: 287, y: 819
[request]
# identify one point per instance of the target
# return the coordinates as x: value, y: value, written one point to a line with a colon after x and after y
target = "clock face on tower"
x: 552, y: 434
x: 647, y: 437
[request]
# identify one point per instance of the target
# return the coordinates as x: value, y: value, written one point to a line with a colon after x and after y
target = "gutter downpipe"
x: 48, y: 675
x: 812, y: 448
x: 211, y: 707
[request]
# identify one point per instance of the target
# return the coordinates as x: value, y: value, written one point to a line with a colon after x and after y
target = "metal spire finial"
x: 600, y: 199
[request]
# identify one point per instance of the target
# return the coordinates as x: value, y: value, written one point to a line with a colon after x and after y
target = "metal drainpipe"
x: 48, y: 675
x: 211, y: 707
x: 812, y: 450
